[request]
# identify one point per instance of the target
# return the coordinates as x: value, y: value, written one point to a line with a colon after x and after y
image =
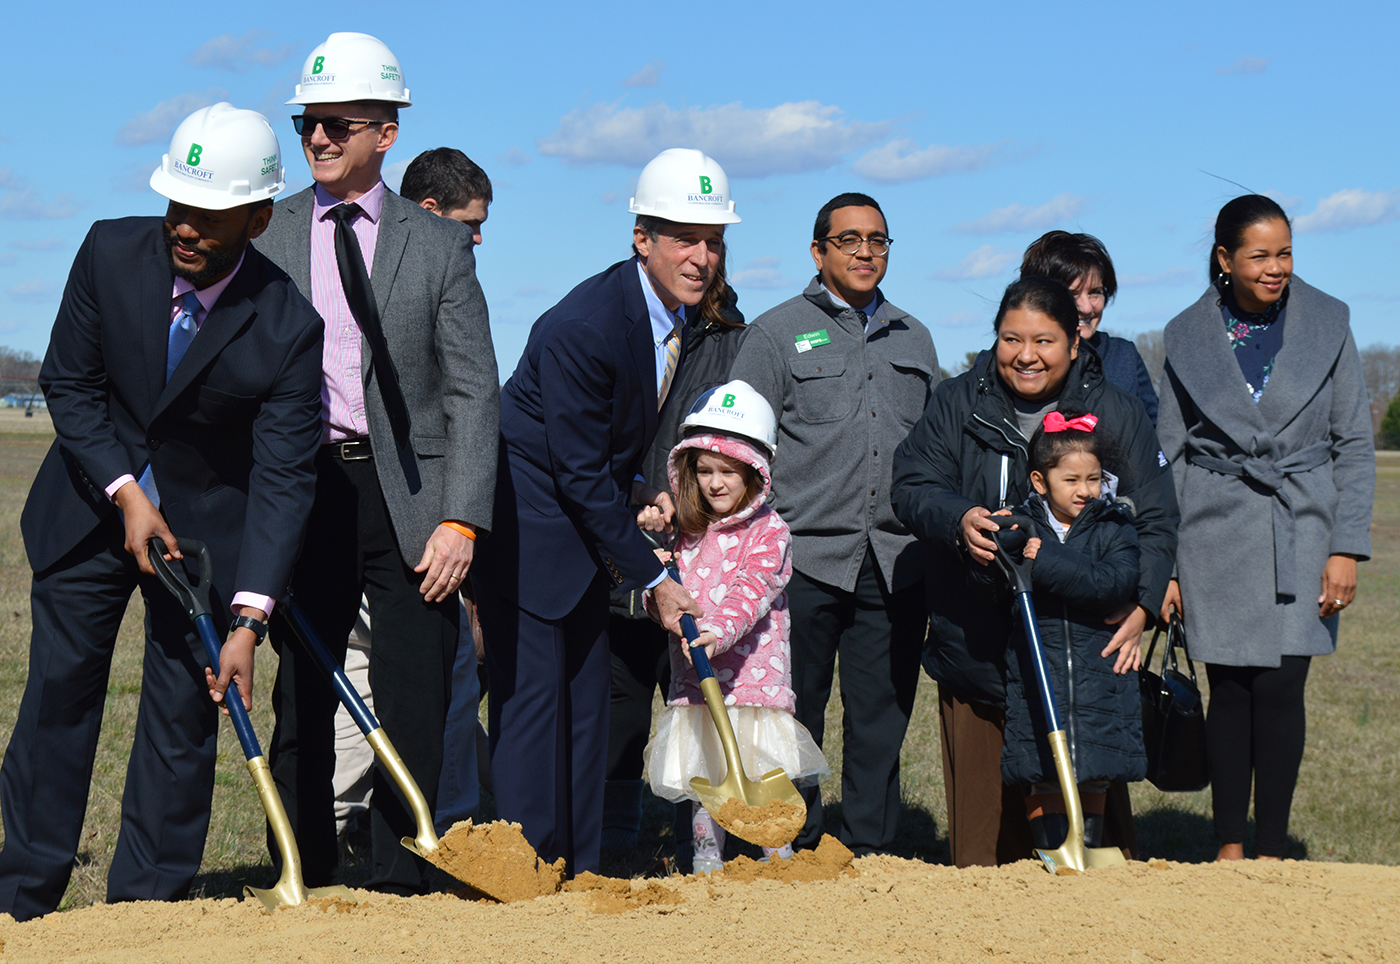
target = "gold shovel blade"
x: 289, y: 889
x: 1072, y: 854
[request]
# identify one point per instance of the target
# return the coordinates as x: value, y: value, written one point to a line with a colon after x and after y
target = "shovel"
x: 289, y: 889
x: 425, y: 843
x: 774, y: 785
x: 1072, y: 853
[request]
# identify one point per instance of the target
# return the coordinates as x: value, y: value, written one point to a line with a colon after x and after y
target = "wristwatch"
x: 258, y: 627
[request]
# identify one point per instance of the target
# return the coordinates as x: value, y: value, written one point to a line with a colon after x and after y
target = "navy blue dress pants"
x: 77, y: 607
x: 549, y: 721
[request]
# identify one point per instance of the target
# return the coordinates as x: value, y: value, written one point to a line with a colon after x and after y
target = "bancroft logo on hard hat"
x: 190, y: 166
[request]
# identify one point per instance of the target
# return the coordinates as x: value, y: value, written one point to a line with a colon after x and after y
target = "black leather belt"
x: 354, y: 450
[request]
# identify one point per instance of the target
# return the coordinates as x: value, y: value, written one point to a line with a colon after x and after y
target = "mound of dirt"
x: 775, y: 823
x: 878, y: 909
x: 496, y: 860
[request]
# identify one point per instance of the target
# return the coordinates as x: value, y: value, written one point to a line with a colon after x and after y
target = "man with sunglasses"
x: 848, y: 373
x: 406, y: 471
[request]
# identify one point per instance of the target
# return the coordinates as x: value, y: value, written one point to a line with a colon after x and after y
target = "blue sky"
x: 976, y: 126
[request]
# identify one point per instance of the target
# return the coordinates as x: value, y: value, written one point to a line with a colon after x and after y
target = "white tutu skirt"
x: 687, y: 745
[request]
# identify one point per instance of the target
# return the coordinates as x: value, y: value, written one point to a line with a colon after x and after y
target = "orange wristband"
x: 458, y: 527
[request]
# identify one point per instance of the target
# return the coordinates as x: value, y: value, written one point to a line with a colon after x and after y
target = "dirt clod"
x: 497, y: 860
x: 612, y: 895
x: 775, y: 823
x: 831, y: 860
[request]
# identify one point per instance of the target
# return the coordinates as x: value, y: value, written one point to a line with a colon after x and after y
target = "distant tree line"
x: 18, y: 371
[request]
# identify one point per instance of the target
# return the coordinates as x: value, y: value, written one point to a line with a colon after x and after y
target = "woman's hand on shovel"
x: 236, y: 663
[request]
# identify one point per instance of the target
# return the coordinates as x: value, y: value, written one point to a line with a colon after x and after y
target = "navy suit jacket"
x: 577, y: 418
x: 230, y: 438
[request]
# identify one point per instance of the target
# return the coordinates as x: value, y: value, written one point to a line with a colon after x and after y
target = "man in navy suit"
x: 577, y: 417
x: 183, y: 376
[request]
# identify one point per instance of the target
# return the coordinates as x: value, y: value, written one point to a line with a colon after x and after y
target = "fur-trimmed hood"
x: 739, y: 449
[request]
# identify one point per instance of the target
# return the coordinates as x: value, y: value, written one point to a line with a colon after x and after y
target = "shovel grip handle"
x: 697, y: 654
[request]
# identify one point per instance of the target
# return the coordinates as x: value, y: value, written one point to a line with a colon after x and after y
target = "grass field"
x: 1345, y: 808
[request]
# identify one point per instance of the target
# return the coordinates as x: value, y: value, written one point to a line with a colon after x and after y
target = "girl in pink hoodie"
x: 734, y: 554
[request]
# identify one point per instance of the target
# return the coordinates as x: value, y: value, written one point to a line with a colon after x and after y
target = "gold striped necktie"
x: 673, y: 355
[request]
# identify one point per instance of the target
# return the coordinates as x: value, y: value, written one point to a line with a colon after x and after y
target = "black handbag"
x: 1173, y: 717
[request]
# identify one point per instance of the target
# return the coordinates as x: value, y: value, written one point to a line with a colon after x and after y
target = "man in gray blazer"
x: 406, y: 471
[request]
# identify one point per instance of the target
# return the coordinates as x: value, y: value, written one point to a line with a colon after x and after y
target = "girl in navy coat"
x: 1086, y: 567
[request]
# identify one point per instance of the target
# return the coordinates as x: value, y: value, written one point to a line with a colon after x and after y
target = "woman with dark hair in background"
x: 1081, y: 263
x: 967, y: 458
x: 1268, y: 431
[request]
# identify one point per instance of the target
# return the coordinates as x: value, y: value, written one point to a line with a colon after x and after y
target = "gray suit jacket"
x: 434, y: 318
x: 1255, y: 537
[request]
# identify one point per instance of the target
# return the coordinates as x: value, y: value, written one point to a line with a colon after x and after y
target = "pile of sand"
x: 876, y: 909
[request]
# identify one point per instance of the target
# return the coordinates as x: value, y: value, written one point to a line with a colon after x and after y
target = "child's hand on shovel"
x: 707, y: 641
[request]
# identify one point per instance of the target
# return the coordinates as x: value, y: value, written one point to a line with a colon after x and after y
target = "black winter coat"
x: 953, y: 460
x: 1076, y: 584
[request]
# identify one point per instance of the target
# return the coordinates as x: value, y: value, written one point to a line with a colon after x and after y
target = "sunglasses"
x: 336, y: 128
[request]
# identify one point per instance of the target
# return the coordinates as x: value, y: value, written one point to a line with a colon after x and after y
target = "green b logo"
x: 728, y: 400
x: 193, y: 159
x: 705, y: 187
x: 317, y: 64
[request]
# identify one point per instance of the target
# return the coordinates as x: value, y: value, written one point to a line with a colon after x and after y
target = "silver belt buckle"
x: 351, y: 451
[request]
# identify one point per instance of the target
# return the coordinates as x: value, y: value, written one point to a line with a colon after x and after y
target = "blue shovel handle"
x: 195, y: 599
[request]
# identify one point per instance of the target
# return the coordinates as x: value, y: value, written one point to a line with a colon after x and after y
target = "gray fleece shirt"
x: 844, y: 400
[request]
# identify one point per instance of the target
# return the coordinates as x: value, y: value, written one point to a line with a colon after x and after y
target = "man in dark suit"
x: 405, y: 475
x: 183, y: 379
x: 577, y: 417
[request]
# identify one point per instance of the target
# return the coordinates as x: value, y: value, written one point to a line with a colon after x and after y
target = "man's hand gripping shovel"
x: 1072, y: 853
x: 289, y: 889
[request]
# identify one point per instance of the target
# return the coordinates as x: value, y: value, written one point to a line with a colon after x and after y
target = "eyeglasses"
x: 336, y: 128
x: 851, y: 244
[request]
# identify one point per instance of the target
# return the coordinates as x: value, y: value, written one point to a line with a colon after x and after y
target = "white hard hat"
x: 221, y: 157
x: 735, y: 408
x: 684, y: 185
x: 348, y: 67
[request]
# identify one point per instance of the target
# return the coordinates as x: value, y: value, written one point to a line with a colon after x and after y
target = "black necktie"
x: 354, y: 278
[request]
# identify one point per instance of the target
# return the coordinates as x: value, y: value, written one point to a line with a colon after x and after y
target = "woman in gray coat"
x: 1265, y: 420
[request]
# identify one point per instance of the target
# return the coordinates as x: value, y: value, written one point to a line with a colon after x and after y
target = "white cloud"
x: 8, y: 181
x: 393, y: 173
x: 26, y: 205
x: 648, y: 76
x: 35, y: 289
x: 762, y: 273
x: 7, y: 258
x: 749, y: 141
x: 1172, y: 276
x: 516, y: 157
x: 1350, y: 208
x: 157, y: 124
x: 1024, y: 217
x: 610, y: 197
x: 1245, y: 65
x: 529, y: 291
x: 987, y: 261
x: 40, y: 244
x: 964, y: 319
x: 238, y: 54
x: 133, y: 179
x: 903, y: 160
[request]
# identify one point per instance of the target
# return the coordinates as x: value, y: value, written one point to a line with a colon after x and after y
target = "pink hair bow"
x: 1055, y: 422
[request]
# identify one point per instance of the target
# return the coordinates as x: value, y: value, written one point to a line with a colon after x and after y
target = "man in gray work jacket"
x: 847, y: 374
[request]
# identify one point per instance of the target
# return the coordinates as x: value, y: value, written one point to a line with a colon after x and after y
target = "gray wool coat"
x: 435, y: 322
x: 1267, y: 491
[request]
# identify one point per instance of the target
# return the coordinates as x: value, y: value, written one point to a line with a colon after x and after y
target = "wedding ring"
x: 1339, y: 604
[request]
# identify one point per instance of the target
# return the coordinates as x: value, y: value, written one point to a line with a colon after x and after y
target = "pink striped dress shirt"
x: 342, y: 388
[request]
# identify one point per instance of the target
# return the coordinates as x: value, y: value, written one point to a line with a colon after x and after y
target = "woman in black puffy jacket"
x: 966, y: 458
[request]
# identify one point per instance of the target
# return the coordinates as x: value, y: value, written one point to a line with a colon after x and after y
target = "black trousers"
x: 77, y: 609
x: 350, y: 549
x: 1256, y: 725
x: 549, y: 721
x: 878, y: 636
x: 640, y: 662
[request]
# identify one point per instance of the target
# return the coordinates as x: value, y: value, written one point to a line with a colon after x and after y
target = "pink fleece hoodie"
x: 737, y: 570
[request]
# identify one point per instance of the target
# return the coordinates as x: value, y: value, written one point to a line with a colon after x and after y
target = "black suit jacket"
x: 230, y: 438
x: 577, y: 418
